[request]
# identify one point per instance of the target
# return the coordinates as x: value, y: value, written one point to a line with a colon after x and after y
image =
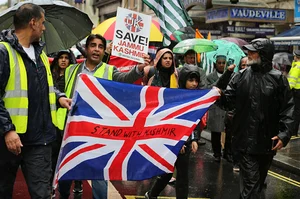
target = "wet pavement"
x: 209, y: 179
x: 288, y: 158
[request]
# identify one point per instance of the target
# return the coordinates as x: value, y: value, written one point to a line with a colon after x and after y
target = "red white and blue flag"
x: 118, y: 131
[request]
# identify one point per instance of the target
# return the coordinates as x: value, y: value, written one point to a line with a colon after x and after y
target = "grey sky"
x: 2, y: 1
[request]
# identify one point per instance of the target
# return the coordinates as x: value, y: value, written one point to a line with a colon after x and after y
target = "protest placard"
x: 131, y: 36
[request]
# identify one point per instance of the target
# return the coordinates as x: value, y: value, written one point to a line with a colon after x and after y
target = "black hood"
x: 265, y: 49
x: 185, y: 72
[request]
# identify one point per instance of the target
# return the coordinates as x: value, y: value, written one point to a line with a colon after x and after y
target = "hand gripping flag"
x: 118, y: 131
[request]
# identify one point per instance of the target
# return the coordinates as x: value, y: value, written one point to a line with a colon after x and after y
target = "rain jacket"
x: 264, y: 107
x: 294, y: 76
x: 40, y: 129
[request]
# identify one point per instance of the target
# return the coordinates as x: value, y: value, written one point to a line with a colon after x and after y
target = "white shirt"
x: 30, y: 52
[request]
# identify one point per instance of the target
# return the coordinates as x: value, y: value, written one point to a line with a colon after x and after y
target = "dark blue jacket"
x: 40, y: 130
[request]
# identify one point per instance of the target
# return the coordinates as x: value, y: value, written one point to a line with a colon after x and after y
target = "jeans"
x: 99, y: 188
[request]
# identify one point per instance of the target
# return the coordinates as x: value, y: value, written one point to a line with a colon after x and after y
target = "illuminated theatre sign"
x: 131, y: 36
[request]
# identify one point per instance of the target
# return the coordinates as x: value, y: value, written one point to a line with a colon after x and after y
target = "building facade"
x: 247, y: 19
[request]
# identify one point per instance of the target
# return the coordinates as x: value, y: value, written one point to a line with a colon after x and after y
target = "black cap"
x: 249, y: 47
x: 297, y: 53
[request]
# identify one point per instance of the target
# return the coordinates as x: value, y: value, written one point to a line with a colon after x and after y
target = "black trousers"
x: 182, y: 179
x: 253, y: 172
x: 296, y: 95
x: 216, y: 143
x: 55, y: 152
x: 35, y: 162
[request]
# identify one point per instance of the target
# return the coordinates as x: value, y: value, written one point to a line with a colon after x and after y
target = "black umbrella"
x: 65, y: 24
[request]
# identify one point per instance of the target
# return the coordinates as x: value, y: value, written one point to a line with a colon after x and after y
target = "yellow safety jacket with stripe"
x: 294, y: 75
x: 16, y: 90
x: 105, y: 71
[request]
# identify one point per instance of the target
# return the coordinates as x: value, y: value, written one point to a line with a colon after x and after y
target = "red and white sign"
x: 131, y: 36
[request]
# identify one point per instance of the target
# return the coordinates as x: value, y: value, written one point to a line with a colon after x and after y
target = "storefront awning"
x: 290, y: 37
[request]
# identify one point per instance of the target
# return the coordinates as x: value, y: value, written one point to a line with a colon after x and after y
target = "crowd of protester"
x: 255, y: 110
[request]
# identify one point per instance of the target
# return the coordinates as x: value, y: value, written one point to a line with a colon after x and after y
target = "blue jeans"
x: 99, y: 188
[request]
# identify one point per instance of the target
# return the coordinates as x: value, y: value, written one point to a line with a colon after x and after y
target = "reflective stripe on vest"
x: 105, y: 71
x: 16, y: 90
x: 294, y: 76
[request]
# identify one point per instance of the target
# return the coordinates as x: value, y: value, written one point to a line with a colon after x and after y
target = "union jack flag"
x: 118, y: 131
x: 134, y: 22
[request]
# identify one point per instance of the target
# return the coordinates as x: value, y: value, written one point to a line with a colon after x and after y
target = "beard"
x: 254, y: 62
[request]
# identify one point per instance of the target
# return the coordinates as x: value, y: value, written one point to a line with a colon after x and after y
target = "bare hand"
x: 219, y: 90
x: 182, y: 151
x: 109, y: 47
x: 65, y: 102
x: 13, y: 142
x: 279, y: 144
x: 231, y: 67
x: 146, y: 62
x: 194, y: 147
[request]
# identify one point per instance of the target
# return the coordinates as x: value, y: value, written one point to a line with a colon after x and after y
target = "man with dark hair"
x: 27, y: 105
x: 93, y: 65
x: 263, y: 119
x: 190, y: 58
x: 25, y: 14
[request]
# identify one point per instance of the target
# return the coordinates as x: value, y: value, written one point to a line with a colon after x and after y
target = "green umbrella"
x: 198, y: 45
x: 229, y: 49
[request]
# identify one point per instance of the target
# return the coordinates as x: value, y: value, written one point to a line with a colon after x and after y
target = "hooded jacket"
x: 184, y: 75
x: 162, y: 77
x: 40, y: 130
x: 263, y: 106
x: 186, y: 72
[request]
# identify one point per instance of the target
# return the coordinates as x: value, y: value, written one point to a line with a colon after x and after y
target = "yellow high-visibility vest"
x: 16, y: 90
x: 294, y: 76
x: 105, y: 71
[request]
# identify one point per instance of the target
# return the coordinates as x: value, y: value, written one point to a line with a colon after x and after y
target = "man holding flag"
x: 95, y: 48
x: 126, y: 132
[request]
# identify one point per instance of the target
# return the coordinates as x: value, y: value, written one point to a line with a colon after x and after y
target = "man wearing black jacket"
x: 263, y: 120
x: 27, y: 105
